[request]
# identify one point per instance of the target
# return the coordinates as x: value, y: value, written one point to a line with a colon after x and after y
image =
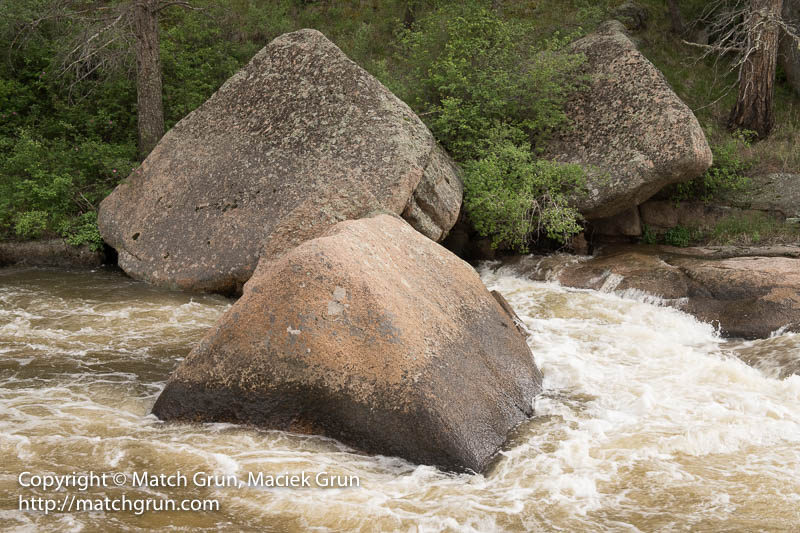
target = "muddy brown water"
x: 649, y: 422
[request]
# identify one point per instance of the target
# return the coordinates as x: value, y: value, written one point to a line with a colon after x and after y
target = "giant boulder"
x: 298, y: 140
x: 371, y: 334
x: 630, y: 131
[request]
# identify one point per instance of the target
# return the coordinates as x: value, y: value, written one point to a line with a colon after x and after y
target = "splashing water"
x: 649, y: 421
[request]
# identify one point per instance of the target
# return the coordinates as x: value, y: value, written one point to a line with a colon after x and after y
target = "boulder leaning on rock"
x: 630, y: 131
x: 298, y: 140
x: 373, y: 335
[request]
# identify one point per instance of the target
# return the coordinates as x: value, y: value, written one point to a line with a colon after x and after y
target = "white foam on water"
x: 649, y: 421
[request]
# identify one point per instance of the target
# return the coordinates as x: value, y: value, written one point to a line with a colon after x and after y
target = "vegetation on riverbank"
x: 64, y: 143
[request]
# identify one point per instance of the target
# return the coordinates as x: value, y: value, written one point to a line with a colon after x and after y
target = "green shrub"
x: 512, y: 197
x: 648, y: 235
x: 31, y: 224
x: 63, y: 179
x: 83, y: 230
x: 727, y: 174
x: 678, y: 236
x: 491, y: 96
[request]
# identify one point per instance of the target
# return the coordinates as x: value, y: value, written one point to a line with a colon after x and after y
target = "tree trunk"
x: 150, y: 106
x: 754, y: 106
x: 410, y: 17
x: 675, y: 17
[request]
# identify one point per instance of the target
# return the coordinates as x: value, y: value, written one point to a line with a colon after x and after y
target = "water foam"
x: 649, y: 421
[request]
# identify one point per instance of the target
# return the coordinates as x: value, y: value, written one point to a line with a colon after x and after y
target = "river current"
x: 649, y: 422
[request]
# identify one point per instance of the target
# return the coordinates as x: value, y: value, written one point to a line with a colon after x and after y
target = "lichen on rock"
x: 299, y: 139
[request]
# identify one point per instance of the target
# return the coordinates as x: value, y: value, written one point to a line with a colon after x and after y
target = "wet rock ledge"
x: 748, y: 292
x: 49, y: 253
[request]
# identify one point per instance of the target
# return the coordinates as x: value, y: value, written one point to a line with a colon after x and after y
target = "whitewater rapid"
x: 649, y: 421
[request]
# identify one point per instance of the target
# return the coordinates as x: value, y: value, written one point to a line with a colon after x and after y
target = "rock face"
x: 371, y: 334
x: 631, y: 132
x: 777, y: 193
x: 52, y: 252
x: 298, y: 140
x: 749, y: 293
x: 633, y: 15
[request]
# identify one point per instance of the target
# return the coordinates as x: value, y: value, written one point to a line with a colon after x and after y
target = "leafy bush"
x: 648, y: 235
x: 31, y: 224
x: 678, y: 236
x: 52, y: 186
x: 83, y: 231
x: 491, y: 96
x: 727, y: 174
x: 511, y: 196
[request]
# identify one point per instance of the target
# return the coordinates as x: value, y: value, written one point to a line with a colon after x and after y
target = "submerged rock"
x: 298, y: 140
x: 371, y: 334
x: 749, y: 293
x: 631, y: 132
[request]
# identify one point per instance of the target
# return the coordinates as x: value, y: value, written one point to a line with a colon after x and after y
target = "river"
x: 649, y: 422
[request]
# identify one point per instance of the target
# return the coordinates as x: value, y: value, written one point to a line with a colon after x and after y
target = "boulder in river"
x: 631, y: 132
x: 371, y: 334
x: 299, y: 139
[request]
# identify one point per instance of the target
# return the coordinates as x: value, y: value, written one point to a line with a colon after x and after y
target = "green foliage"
x: 746, y: 229
x: 30, y: 224
x: 512, y: 197
x: 466, y: 70
x: 648, y: 235
x: 50, y: 185
x: 680, y: 236
x: 490, y: 96
x: 83, y: 230
x: 727, y: 174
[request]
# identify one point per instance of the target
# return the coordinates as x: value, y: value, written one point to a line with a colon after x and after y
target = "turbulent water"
x: 649, y: 422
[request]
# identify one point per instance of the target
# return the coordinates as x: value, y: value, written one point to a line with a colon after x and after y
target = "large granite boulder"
x: 371, y: 334
x: 631, y: 132
x: 298, y: 140
x: 748, y: 293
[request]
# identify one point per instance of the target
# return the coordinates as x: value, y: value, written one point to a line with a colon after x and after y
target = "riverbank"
x: 52, y: 253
